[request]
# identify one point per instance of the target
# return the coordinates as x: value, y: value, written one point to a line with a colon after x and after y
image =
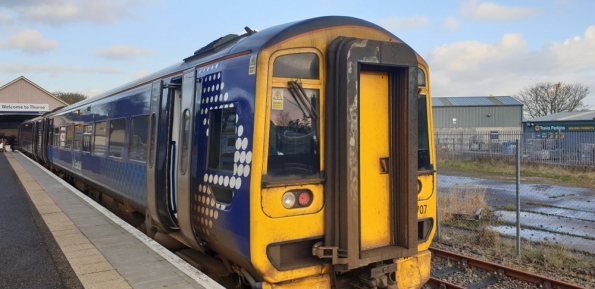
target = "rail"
x: 499, y: 271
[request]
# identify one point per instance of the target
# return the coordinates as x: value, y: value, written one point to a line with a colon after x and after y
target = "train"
x: 296, y: 156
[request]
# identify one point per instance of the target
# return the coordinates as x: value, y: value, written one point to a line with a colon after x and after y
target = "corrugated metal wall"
x: 477, y: 117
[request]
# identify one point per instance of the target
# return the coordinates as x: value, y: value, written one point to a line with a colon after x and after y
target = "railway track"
x: 449, y: 270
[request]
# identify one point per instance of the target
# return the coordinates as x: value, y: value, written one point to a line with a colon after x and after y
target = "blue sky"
x: 474, y: 47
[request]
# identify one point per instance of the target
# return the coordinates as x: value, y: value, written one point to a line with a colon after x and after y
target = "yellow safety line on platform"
x: 92, y: 269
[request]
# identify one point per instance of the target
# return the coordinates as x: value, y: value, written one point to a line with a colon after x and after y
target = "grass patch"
x: 560, y: 196
x: 541, y: 204
x: 487, y: 237
x: 554, y: 257
x: 506, y: 208
x: 537, y: 257
x: 461, y: 203
x: 581, y: 177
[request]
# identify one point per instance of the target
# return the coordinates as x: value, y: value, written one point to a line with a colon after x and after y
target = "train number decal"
x: 422, y: 209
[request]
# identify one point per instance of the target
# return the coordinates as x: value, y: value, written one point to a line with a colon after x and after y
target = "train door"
x: 34, y: 139
x: 161, y: 212
x: 181, y: 141
x: 44, y: 139
x: 50, y: 140
x: 374, y: 194
x: 168, y: 173
x: 173, y: 151
x: 38, y: 138
x: 371, y: 154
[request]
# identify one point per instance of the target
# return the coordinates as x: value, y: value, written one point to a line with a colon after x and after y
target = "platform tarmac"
x: 53, y: 236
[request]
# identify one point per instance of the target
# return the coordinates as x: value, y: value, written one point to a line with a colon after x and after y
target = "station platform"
x: 53, y: 236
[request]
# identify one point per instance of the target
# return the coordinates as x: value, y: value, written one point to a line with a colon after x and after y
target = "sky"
x: 473, y: 47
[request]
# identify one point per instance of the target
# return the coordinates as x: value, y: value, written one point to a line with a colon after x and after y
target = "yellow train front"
x: 342, y: 189
x: 299, y: 156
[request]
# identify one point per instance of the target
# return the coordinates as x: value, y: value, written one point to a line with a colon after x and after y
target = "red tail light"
x: 297, y: 199
x: 304, y: 198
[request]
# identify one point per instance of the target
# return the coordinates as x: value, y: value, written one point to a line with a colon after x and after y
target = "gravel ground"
x: 470, y: 275
x: 583, y: 277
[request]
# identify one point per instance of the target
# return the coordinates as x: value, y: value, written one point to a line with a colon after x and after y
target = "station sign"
x: 24, y: 107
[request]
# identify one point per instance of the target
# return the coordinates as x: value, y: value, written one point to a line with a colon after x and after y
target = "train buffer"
x: 62, y: 239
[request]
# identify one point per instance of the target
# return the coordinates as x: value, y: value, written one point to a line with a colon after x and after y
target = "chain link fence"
x: 535, y: 218
x: 568, y: 149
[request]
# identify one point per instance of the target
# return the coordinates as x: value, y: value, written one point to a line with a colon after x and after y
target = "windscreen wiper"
x: 301, y: 99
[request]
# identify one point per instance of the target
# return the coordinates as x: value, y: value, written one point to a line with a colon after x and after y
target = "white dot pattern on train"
x: 214, y: 97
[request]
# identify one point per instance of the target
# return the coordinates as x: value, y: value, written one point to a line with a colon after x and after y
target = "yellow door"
x: 375, y: 221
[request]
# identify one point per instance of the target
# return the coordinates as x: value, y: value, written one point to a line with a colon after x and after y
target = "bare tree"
x: 69, y: 97
x: 545, y: 98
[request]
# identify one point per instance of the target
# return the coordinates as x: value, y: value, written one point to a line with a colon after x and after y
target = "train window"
x: 56, y: 137
x: 78, y: 137
x: 50, y: 134
x: 185, y: 140
x: 99, y: 139
x: 139, y: 134
x: 293, y: 134
x: 69, y: 136
x: 62, y: 136
x: 421, y: 78
x: 299, y: 65
x: 423, y: 143
x: 87, y: 134
x: 117, y: 135
x: 49, y: 139
x: 222, y: 139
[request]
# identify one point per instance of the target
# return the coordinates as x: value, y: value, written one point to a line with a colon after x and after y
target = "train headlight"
x: 297, y: 199
x: 418, y: 187
x: 288, y: 200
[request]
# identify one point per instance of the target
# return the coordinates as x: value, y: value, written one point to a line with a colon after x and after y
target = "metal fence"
x: 568, y: 149
x: 499, y: 214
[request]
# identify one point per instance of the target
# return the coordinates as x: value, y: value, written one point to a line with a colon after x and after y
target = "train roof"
x: 230, y: 44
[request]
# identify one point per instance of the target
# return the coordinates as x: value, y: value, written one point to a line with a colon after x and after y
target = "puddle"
x: 501, y: 193
x: 570, y: 242
x: 558, y: 224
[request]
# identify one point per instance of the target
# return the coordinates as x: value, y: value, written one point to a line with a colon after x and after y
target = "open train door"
x: 370, y: 155
x: 159, y: 187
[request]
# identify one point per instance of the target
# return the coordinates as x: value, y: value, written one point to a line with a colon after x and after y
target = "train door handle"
x: 384, y: 165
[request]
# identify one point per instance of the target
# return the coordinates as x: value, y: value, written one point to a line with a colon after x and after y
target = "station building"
x: 21, y: 99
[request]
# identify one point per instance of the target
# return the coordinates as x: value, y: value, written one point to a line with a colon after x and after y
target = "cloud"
x: 451, y: 24
x: 58, y: 12
x: 92, y: 91
x: 397, y: 23
x: 469, y: 55
x: 490, y: 12
x: 5, y: 18
x: 503, y: 68
x: 29, y: 41
x: 54, y: 70
x: 122, y: 52
x: 141, y: 73
x: 577, y: 51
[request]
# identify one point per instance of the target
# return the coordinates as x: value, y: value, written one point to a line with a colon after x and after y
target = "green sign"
x: 572, y: 127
